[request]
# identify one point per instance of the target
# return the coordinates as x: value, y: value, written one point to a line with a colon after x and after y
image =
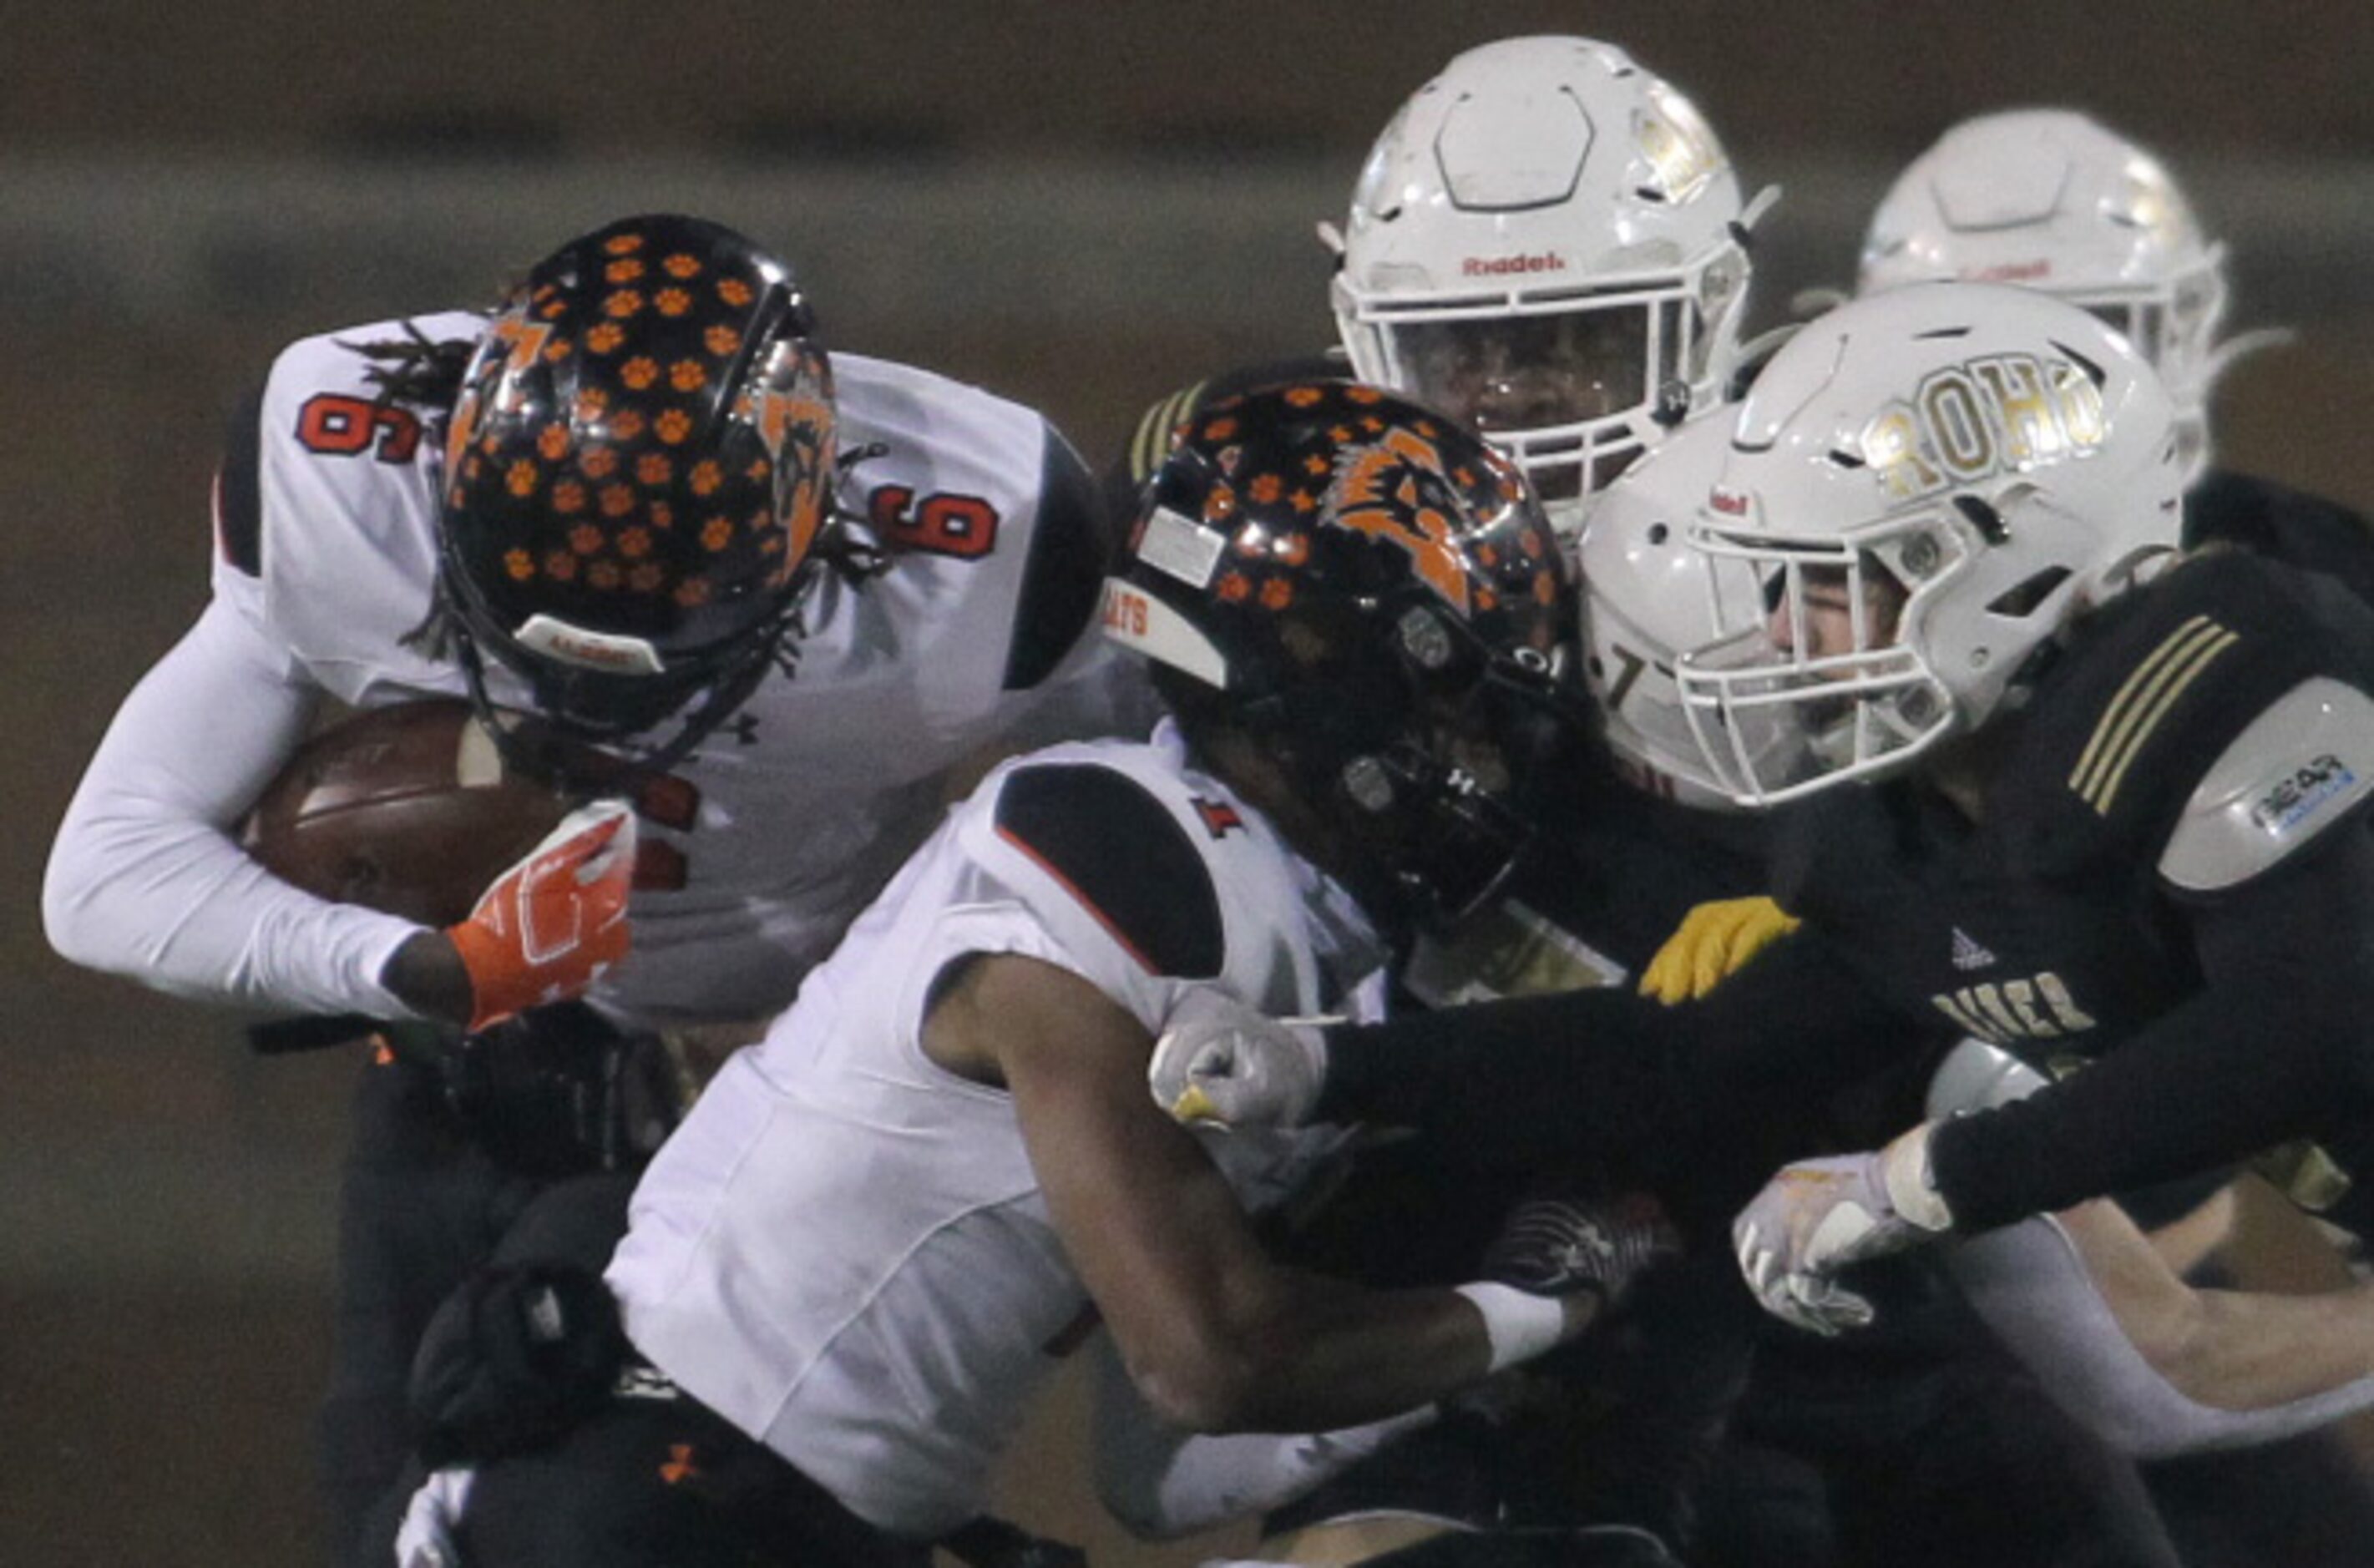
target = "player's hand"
x: 1817, y: 1216
x: 1219, y: 1061
x: 552, y: 924
x: 1712, y: 941
x: 425, y: 1539
x: 1561, y: 1244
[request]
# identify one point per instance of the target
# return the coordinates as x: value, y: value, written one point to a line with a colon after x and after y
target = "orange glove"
x: 549, y: 926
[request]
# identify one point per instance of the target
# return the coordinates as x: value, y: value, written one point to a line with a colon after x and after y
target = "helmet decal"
x: 2004, y: 414
x: 1374, y: 595
x: 1393, y: 490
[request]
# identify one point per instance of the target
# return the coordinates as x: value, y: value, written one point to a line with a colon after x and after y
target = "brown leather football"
x: 407, y: 809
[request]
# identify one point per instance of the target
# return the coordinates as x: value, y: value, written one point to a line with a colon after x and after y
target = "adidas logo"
x: 1967, y: 953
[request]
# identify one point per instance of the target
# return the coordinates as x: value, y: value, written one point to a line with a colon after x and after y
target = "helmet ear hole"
x: 1983, y: 517
x: 2020, y: 600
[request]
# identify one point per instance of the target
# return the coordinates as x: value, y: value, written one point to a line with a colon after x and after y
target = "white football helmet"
x: 2048, y: 199
x: 1546, y: 241
x: 1925, y: 486
x: 1645, y: 603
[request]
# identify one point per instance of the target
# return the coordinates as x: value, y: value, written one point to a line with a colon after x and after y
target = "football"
x: 407, y: 809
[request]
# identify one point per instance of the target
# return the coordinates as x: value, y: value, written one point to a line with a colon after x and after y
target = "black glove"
x: 557, y: 1091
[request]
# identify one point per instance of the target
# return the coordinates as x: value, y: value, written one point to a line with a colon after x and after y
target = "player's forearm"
x: 1343, y: 1357
x: 1658, y: 1092
x: 143, y: 881
x: 182, y: 909
x: 2151, y: 1365
x: 2252, y: 1350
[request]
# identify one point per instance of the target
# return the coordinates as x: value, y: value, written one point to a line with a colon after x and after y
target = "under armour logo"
x: 1969, y: 954
x: 679, y: 1467
x: 743, y: 728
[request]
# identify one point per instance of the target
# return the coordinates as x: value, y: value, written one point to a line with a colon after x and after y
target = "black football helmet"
x: 637, y: 472
x: 1374, y: 594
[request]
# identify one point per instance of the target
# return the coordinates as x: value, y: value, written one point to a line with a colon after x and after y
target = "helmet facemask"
x: 1826, y: 656
x: 626, y: 715
x: 1572, y: 384
x: 1422, y: 751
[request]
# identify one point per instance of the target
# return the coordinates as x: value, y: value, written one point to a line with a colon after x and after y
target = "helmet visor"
x: 1511, y: 374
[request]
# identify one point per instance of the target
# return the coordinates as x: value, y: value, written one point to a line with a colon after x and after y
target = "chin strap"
x: 551, y: 748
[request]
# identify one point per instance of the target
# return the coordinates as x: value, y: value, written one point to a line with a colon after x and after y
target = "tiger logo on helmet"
x: 1373, y: 592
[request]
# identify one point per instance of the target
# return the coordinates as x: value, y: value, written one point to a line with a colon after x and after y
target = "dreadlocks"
x: 416, y: 371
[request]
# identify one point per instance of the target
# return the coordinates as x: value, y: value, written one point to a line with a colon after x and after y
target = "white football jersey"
x: 844, y: 1249
x: 798, y: 808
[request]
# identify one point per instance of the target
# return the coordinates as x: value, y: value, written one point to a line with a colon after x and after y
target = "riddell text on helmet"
x: 1504, y: 266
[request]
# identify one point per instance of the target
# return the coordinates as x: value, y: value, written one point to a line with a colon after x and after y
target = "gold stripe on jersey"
x: 2141, y: 703
x: 2180, y: 678
x: 1151, y: 444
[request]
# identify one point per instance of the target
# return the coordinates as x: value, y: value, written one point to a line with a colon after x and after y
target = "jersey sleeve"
x: 2272, y: 1047
x: 1105, y: 869
x: 1071, y: 546
x: 144, y: 879
x: 2301, y: 773
x: 239, y: 491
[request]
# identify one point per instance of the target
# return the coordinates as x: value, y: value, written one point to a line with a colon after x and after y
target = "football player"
x: 1548, y: 242
x: 878, y: 1229
x: 2115, y: 815
x: 789, y: 598
x: 2051, y: 200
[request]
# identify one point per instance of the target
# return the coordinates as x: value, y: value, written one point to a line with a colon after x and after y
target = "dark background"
x: 1079, y: 205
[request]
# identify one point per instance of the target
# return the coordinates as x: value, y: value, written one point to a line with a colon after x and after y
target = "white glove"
x: 1219, y: 1061
x: 1817, y: 1216
x: 425, y: 1539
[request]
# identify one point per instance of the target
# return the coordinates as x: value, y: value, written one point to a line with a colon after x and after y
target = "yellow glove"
x: 1712, y: 941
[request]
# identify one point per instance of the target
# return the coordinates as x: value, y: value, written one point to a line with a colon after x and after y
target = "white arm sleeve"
x: 2029, y: 1284
x: 143, y: 881
x: 1161, y: 1481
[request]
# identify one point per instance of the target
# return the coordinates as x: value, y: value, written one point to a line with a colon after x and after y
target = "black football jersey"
x: 2046, y: 927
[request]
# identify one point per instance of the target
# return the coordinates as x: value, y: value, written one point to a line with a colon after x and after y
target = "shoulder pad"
x: 238, y: 496
x: 2303, y: 764
x: 1123, y: 855
x: 1070, y: 548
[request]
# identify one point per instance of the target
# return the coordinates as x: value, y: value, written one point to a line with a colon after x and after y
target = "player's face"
x: 1818, y: 622
x: 1516, y: 373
